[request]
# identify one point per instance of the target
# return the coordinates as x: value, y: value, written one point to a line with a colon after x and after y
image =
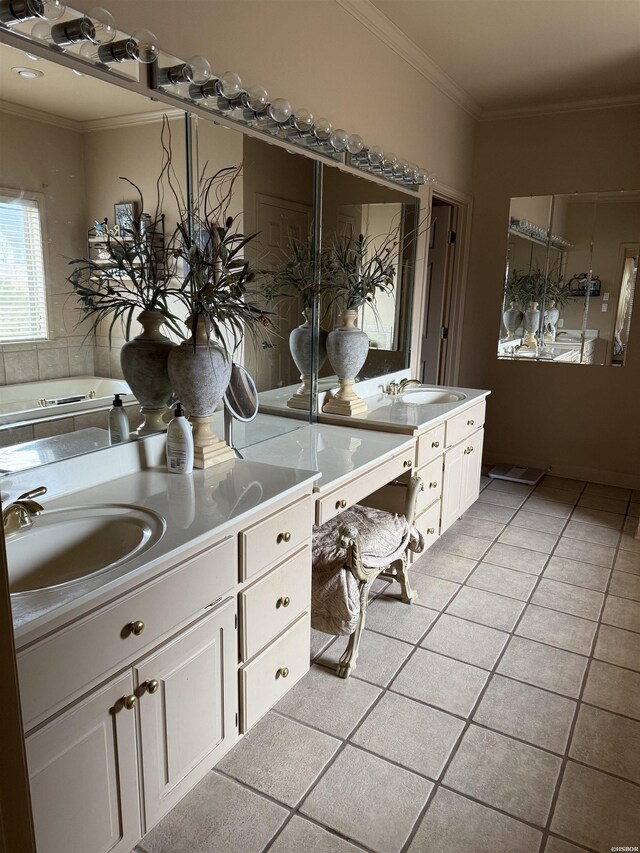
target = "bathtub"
x: 54, y: 398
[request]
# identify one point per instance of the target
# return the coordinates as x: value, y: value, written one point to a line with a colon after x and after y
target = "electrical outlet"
x: 560, y: 324
x: 605, y: 307
x: 605, y: 297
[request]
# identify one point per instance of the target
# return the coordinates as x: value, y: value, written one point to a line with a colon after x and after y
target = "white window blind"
x: 23, y: 301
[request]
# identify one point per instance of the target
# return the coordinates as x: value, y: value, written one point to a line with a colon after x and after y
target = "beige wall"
x: 580, y: 420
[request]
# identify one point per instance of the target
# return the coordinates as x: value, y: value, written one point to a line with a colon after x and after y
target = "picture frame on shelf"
x: 126, y: 215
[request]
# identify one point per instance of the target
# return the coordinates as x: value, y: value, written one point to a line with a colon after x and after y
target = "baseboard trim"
x: 573, y: 472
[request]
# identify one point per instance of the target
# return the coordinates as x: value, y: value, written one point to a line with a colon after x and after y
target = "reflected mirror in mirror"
x: 66, y: 140
x: 570, y: 276
x: 241, y: 396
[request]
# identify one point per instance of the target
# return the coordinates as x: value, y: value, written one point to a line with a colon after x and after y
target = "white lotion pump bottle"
x: 179, y: 444
x: 118, y: 422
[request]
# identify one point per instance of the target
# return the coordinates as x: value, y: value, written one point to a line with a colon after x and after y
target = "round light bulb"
x: 411, y: 171
x: 98, y: 26
x: 197, y: 70
x: 389, y: 162
x: 401, y: 165
x: 303, y: 120
x: 338, y: 139
x: 431, y: 178
x: 376, y: 155
x: 322, y: 129
x: 146, y: 45
x: 257, y: 99
x: 355, y: 144
x: 280, y: 110
x: 52, y: 9
x: 89, y: 51
x: 230, y: 85
x: 41, y: 31
x: 421, y: 176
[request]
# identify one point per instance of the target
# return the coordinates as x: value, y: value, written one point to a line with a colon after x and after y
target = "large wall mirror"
x: 571, y: 271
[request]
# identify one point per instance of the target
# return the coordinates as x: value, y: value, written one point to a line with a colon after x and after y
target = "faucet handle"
x: 33, y: 493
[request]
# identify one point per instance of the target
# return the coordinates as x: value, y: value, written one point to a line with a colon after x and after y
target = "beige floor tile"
x: 597, y: 516
x: 466, y: 641
x: 301, y: 835
x: 479, y: 527
x: 455, y: 824
x: 595, y: 533
x: 218, y: 814
x: 617, y: 646
x: 504, y: 773
x: 378, y: 802
x: 484, y: 480
x: 634, y: 509
x: 615, y: 505
x: 526, y: 712
x: 441, y: 681
x: 334, y: 705
x: 585, y: 552
x: 519, y: 489
x: 625, y: 585
x: 319, y: 642
x: 627, y: 561
x: 557, y: 845
x: 280, y: 757
x: 622, y: 612
x: 394, y: 618
x: 447, y: 566
x: 543, y: 507
x: 547, y: 493
x: 628, y: 542
x: 496, y: 611
x: 607, y: 491
x: 379, y: 659
x: 534, y: 540
x: 557, y: 629
x: 491, y: 496
x: 595, y: 809
x: 490, y: 512
x: 568, y: 598
x: 503, y: 581
x: 536, y: 521
x: 520, y: 559
x: 416, y: 736
x: 544, y: 666
x: 630, y: 526
x: 463, y: 546
x: 607, y: 742
x: 566, y: 483
x: 575, y: 572
x: 614, y: 689
x: 432, y: 592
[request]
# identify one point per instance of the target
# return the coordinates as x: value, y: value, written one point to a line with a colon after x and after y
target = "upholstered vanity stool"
x: 349, y: 553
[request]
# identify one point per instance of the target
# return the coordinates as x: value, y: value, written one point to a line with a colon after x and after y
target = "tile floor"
x: 498, y: 714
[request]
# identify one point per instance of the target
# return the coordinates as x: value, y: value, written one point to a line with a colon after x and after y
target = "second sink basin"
x: 66, y: 545
x: 420, y: 396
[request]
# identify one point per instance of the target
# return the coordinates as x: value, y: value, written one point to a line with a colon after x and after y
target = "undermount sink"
x: 66, y: 545
x: 420, y: 396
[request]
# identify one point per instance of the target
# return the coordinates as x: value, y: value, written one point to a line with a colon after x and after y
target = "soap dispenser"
x: 118, y: 422
x: 179, y: 443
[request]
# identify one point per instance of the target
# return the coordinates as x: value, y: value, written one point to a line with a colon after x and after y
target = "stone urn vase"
x: 300, y: 341
x: 144, y: 366
x: 347, y: 348
x: 199, y: 371
x: 531, y: 325
x: 512, y: 318
x: 551, y: 317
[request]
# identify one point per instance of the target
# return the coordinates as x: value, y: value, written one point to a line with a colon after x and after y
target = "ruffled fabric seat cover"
x: 335, y: 596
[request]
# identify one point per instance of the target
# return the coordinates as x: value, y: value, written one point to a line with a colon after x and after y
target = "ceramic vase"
x: 531, y: 324
x: 347, y: 349
x: 512, y: 318
x: 551, y: 317
x: 144, y: 366
x: 300, y: 346
x: 199, y: 371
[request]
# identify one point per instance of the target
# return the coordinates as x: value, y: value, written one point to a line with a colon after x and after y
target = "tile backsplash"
x: 32, y: 361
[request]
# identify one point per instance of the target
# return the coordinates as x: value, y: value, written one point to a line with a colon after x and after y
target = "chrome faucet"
x: 394, y: 388
x: 20, y: 513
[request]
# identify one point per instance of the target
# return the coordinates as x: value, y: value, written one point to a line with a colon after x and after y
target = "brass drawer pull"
x: 433, y: 485
x: 407, y: 463
x: 130, y: 702
x: 151, y: 686
x: 470, y: 423
x: 341, y: 504
x: 283, y: 601
x: 468, y: 450
x: 283, y: 537
x: 283, y: 672
x: 431, y: 530
x: 435, y: 444
x: 136, y: 627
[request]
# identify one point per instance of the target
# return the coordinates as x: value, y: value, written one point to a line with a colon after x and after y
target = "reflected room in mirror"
x: 571, y: 271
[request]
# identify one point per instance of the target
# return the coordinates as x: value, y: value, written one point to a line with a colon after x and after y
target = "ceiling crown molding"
x: 372, y: 18
x: 38, y: 115
x: 579, y: 105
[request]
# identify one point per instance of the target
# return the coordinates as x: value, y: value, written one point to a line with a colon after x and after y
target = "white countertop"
x: 196, y: 508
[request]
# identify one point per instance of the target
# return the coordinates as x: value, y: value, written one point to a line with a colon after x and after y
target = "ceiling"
x: 512, y: 56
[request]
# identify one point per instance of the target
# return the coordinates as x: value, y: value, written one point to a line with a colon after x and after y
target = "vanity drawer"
x: 58, y: 668
x: 273, y: 602
x: 465, y: 423
x: 359, y: 488
x: 430, y: 445
x: 269, y: 676
x: 428, y: 523
x: 274, y: 538
x: 431, y: 475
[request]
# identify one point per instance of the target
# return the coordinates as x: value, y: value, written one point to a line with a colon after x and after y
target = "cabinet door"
x: 188, y: 705
x: 84, y: 777
x: 472, y: 469
x: 453, y: 485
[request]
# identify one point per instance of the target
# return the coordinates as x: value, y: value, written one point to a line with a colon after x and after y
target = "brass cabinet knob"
x: 435, y: 444
x: 151, y: 686
x: 431, y: 530
x: 283, y: 672
x: 470, y: 423
x: 130, y: 702
x: 407, y: 463
x: 136, y: 627
x: 284, y: 537
x: 283, y: 601
x: 341, y: 504
x: 433, y: 485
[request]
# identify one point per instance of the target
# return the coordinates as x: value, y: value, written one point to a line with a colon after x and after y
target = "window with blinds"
x: 23, y: 301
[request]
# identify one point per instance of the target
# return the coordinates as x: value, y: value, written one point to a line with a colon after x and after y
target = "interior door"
x: 435, y: 321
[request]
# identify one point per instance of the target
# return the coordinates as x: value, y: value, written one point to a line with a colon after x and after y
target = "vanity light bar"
x: 193, y: 80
